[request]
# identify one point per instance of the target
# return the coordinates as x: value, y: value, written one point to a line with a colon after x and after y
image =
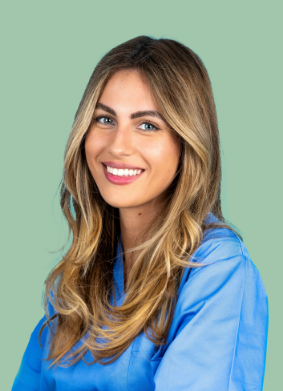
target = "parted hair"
x: 79, y: 288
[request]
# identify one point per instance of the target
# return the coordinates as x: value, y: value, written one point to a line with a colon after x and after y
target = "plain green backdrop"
x: 48, y: 52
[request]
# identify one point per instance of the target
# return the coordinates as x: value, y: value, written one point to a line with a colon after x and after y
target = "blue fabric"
x: 217, y: 340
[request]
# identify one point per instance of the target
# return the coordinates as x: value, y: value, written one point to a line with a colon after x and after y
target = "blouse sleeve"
x: 220, y: 328
x: 28, y: 376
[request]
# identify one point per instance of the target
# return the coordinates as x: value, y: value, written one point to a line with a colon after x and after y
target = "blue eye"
x: 97, y: 119
x: 149, y: 127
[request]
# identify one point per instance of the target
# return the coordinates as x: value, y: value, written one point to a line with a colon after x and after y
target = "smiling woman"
x: 131, y: 138
x: 156, y: 291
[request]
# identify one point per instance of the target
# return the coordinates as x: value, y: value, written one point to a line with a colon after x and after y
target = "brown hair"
x: 80, y: 286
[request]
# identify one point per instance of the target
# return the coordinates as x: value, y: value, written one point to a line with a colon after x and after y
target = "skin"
x: 122, y: 139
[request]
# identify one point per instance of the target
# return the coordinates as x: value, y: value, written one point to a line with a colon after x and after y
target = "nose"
x: 121, y: 141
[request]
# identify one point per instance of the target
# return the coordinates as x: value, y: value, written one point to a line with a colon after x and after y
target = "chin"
x: 117, y: 202
x: 122, y: 203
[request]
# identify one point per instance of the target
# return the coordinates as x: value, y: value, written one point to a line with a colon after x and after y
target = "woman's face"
x: 122, y: 135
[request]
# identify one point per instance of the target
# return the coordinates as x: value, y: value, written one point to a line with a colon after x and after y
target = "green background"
x: 48, y: 52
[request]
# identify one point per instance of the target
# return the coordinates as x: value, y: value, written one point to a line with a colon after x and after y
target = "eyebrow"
x: 137, y: 114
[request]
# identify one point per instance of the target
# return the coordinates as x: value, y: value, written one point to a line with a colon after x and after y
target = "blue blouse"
x: 217, y: 340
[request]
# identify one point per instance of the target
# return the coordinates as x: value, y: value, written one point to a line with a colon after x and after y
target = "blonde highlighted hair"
x: 81, y: 285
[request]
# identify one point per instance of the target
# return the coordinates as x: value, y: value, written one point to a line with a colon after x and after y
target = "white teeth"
x: 121, y: 172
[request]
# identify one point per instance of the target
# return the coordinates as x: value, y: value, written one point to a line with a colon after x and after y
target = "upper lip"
x: 121, y: 165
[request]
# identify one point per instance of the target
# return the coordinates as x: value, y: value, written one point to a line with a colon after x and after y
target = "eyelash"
x: 144, y: 122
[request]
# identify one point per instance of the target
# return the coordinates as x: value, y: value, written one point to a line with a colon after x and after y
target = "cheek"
x: 174, y: 151
x: 93, y: 146
x: 163, y: 156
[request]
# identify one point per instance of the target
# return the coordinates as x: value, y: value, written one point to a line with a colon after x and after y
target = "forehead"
x: 130, y: 88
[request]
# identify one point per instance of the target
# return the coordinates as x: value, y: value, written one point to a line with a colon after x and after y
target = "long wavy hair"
x: 81, y: 285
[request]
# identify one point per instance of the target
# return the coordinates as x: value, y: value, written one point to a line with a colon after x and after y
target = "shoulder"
x: 219, y: 244
x: 221, y: 316
x: 228, y: 280
x: 224, y: 258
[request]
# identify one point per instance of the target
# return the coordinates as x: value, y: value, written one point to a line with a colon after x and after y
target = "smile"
x: 122, y: 172
x: 119, y: 176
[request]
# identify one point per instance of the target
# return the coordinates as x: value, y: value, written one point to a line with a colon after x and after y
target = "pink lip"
x: 121, y: 165
x: 119, y: 180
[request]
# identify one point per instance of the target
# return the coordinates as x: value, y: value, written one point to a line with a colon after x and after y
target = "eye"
x: 104, y: 120
x: 149, y: 127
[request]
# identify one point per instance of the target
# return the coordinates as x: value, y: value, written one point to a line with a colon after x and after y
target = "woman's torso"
x: 207, y: 342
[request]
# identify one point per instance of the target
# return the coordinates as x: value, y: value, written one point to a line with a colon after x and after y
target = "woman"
x: 155, y: 292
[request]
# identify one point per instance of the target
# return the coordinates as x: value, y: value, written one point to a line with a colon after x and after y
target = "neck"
x: 132, y: 223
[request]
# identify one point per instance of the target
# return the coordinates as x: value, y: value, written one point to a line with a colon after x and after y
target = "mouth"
x: 121, y: 176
